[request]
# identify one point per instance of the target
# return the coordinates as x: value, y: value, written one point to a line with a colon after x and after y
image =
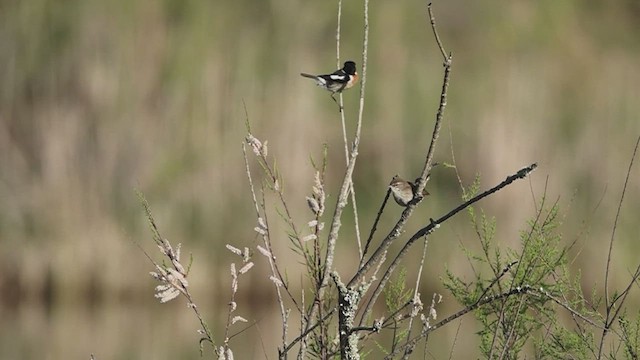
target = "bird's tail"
x: 309, y: 76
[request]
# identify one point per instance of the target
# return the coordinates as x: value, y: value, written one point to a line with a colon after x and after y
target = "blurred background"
x: 99, y: 98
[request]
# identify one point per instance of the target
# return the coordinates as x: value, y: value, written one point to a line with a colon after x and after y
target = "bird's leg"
x: 337, y: 103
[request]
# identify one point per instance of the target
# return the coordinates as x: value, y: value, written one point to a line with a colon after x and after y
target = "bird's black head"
x: 349, y: 67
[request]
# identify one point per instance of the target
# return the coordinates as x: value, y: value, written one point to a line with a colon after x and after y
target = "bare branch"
x: 420, y: 183
x: 610, y: 305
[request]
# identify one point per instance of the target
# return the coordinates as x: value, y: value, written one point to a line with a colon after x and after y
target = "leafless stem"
x: 338, y: 37
x: 608, y: 303
x: 435, y: 33
x: 344, y: 135
x: 275, y: 272
x: 374, y: 227
x: 346, y: 183
x: 420, y: 183
x: 416, y: 294
x: 455, y: 340
x: 306, y: 332
x: 260, y: 150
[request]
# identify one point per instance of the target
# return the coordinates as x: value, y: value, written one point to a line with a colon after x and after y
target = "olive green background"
x: 98, y: 98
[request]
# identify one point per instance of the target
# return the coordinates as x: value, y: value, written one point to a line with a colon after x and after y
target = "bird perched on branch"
x: 337, y: 81
x: 403, y: 191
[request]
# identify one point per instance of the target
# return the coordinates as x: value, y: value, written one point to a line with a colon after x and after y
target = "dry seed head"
x: 255, y: 144
x: 276, y: 281
x: 246, y: 255
x: 309, y: 237
x: 313, y: 205
x: 246, y: 268
x: 264, y: 251
x: 234, y: 250
x: 238, y: 318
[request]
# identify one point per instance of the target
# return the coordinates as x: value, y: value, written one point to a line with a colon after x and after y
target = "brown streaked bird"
x: 403, y: 190
x: 337, y: 81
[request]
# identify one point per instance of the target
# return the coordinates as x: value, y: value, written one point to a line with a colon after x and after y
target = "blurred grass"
x: 99, y: 98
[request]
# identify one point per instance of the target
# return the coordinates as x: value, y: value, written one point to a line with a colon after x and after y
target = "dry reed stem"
x: 266, y: 239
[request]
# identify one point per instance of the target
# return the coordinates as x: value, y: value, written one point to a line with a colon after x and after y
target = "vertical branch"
x: 374, y: 227
x: 609, y: 304
x: 432, y: 19
x: 397, y: 229
x: 344, y: 135
x: 346, y: 183
x: 268, y: 251
x: 338, y: 65
x: 348, y: 300
x: 416, y: 299
x: 420, y: 184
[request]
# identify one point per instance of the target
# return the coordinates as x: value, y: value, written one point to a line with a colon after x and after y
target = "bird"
x: 337, y: 81
x: 403, y: 191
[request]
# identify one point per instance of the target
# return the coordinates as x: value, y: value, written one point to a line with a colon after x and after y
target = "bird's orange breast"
x: 353, y: 79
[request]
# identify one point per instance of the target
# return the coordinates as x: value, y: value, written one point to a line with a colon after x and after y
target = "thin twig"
x: 609, y: 305
x: 260, y: 151
x: 455, y: 340
x: 519, y: 262
x: 306, y: 332
x: 416, y: 294
x: 344, y: 136
x: 267, y: 242
x: 374, y: 227
x: 432, y: 19
x: 421, y: 183
x: 338, y: 37
x: 454, y: 163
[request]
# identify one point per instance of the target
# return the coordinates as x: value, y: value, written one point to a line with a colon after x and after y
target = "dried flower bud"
x: 246, y: 255
x: 313, y: 205
x: 264, y: 251
x: 238, y: 318
x: 276, y: 281
x: 309, y: 237
x: 234, y: 250
x: 255, y: 144
x: 246, y: 268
